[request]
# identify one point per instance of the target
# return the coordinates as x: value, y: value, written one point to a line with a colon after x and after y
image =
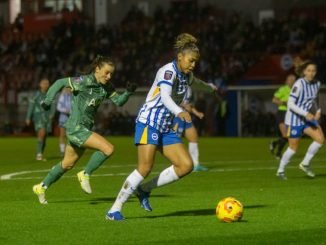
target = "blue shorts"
x: 146, y: 134
x: 297, y: 131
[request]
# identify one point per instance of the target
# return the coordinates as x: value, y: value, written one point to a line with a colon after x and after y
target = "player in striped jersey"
x: 64, y: 107
x: 300, y: 120
x: 153, y: 128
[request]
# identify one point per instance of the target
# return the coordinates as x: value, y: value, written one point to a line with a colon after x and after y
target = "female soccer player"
x: 88, y: 93
x: 300, y: 121
x: 42, y: 119
x: 153, y: 128
x: 64, y: 107
x: 280, y: 98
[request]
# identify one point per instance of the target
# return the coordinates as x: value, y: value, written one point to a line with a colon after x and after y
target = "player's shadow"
x: 197, y: 212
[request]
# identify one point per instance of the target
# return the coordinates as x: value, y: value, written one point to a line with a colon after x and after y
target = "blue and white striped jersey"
x: 303, y: 94
x: 64, y: 103
x: 154, y: 112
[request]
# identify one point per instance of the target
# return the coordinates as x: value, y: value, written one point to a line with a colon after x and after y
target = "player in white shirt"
x: 153, y: 128
x: 63, y: 107
x: 300, y: 119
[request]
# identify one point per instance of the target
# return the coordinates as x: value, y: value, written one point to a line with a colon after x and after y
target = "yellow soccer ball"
x: 229, y: 210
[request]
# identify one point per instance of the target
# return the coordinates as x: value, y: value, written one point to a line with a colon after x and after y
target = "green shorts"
x: 78, y: 136
x: 39, y: 124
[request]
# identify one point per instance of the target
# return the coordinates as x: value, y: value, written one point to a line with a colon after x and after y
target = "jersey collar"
x: 180, y: 74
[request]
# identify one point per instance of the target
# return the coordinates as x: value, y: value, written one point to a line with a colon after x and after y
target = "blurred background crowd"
x: 231, y: 43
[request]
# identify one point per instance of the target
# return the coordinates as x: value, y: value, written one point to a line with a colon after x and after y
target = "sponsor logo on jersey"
x: 168, y: 75
x: 294, y: 89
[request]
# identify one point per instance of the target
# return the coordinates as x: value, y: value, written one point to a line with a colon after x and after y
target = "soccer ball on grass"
x: 229, y: 210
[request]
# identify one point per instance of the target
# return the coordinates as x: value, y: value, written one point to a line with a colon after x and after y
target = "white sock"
x: 285, y: 159
x: 311, y: 152
x: 62, y: 147
x: 167, y: 176
x: 194, y: 152
x: 128, y: 187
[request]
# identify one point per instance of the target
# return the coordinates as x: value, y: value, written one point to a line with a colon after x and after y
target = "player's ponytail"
x: 184, y: 42
x: 98, y: 61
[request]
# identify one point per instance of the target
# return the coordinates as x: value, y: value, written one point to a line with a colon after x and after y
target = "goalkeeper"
x: 88, y: 93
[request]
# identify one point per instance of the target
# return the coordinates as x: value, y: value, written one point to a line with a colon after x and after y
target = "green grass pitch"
x: 275, y: 211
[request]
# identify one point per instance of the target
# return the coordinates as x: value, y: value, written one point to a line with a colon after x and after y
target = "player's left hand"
x: 131, y: 87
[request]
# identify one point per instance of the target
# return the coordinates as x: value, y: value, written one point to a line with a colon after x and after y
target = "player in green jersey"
x: 41, y: 118
x: 88, y: 93
x: 280, y: 99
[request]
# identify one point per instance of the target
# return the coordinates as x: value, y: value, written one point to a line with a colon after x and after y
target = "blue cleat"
x: 143, y: 199
x: 116, y: 216
x: 200, y: 168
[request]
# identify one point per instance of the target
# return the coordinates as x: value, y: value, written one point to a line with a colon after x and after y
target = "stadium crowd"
x: 230, y: 43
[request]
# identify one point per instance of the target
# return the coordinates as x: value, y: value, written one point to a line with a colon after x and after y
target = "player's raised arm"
x: 121, y: 99
x: 53, y: 90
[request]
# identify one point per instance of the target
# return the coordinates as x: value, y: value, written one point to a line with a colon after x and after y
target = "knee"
x: 144, y: 170
x: 67, y: 165
x: 108, y: 151
x: 185, y: 167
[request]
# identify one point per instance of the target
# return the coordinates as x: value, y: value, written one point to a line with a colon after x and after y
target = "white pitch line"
x: 9, y: 176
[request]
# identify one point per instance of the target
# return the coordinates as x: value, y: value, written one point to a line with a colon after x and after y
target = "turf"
x: 276, y: 212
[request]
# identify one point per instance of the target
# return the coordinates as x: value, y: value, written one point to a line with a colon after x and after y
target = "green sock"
x: 40, y: 146
x: 55, y: 173
x: 95, y: 162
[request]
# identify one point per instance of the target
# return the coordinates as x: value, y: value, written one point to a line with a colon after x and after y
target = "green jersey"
x: 40, y: 117
x: 283, y: 94
x: 87, y: 97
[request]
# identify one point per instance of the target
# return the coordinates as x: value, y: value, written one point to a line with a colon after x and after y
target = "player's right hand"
x: 310, y: 117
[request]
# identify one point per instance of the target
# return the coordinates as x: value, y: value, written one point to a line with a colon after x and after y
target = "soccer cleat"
x: 39, y: 190
x: 143, y: 199
x: 117, y: 216
x: 84, y: 182
x: 200, y: 168
x: 307, y: 170
x: 39, y: 157
x: 281, y: 175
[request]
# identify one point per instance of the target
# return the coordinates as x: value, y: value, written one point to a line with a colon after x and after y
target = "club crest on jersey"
x: 168, y: 75
x: 77, y: 79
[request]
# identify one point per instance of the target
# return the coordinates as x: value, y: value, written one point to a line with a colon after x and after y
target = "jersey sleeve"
x: 54, y: 89
x: 278, y: 93
x: 294, y: 95
x: 76, y: 83
x: 165, y: 76
x: 296, y: 90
